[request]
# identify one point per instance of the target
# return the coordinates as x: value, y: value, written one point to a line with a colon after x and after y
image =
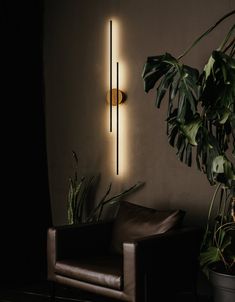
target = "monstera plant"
x: 200, y: 124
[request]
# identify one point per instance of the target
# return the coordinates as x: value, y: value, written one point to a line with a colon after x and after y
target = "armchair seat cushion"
x: 134, y: 221
x: 104, y: 270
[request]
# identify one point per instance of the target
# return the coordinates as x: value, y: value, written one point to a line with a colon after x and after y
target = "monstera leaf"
x: 201, y: 107
x: 180, y: 80
x: 168, y: 75
x: 218, y: 164
x: 218, y: 87
x: 155, y: 68
x: 201, y: 116
x: 190, y: 130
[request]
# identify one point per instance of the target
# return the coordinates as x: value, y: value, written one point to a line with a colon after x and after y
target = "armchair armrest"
x: 172, y: 249
x: 180, y: 239
x: 169, y: 258
x: 70, y: 241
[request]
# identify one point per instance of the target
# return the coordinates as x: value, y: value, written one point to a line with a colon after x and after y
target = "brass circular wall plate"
x: 121, y: 96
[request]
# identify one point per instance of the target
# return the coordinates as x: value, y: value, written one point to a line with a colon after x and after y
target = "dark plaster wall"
x: 75, y: 59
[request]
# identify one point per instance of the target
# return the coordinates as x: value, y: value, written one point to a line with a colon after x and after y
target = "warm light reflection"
x: 123, y: 76
x: 123, y: 130
x: 117, y: 57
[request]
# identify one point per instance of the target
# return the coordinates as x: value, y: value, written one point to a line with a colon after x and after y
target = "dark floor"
x: 41, y: 293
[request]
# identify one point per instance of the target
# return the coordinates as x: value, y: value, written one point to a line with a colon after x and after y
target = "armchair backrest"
x: 134, y: 221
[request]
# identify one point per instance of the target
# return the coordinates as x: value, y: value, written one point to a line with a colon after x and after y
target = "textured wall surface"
x: 76, y: 73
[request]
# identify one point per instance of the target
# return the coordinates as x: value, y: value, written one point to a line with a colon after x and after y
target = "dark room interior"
x: 92, y: 215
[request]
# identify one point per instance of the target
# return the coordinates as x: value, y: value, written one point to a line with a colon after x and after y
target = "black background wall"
x: 25, y: 203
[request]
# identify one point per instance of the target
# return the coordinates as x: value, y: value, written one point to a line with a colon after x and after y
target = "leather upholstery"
x: 144, y: 271
x: 72, y: 241
x: 51, y: 253
x: 93, y: 288
x: 134, y: 221
x: 103, y: 270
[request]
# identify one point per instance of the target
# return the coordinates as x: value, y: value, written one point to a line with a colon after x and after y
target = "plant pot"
x: 223, y: 286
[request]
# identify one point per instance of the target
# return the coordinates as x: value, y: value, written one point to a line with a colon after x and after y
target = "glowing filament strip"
x: 111, y: 71
x: 117, y: 118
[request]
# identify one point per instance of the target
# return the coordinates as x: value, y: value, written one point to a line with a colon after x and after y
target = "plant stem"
x: 206, y: 33
x: 226, y: 227
x: 226, y: 39
x: 209, y: 213
x: 232, y: 50
x: 136, y: 186
x: 113, y: 199
x: 95, y: 210
x: 100, y: 212
x: 233, y: 208
x: 222, y: 211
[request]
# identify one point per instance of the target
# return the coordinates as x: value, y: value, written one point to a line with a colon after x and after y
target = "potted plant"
x: 217, y: 256
x: 201, y: 127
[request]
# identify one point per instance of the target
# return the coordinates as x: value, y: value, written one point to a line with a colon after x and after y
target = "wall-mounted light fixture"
x: 114, y: 96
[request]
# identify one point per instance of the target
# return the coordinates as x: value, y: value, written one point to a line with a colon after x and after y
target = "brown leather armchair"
x: 150, y: 267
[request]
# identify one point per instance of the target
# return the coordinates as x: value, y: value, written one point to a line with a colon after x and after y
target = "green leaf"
x: 189, y: 85
x: 188, y: 159
x: 218, y: 164
x: 172, y: 135
x: 209, y: 67
x: 182, y: 108
x: 164, y: 85
x: 219, y: 89
x: 96, y: 213
x: 201, y: 108
x: 224, y: 117
x: 226, y: 242
x: 190, y: 130
x: 229, y: 170
x: 211, y: 255
x: 125, y: 192
x: 174, y: 87
x: 155, y: 68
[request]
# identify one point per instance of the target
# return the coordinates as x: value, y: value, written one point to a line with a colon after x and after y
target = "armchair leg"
x: 52, y: 292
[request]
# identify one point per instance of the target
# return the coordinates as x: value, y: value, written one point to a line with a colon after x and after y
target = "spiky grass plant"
x: 80, y: 191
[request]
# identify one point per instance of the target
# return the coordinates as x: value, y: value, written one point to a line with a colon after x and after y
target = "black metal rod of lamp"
x: 110, y: 73
x: 117, y: 118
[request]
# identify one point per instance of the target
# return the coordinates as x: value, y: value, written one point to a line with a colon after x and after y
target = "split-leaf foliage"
x: 200, y: 123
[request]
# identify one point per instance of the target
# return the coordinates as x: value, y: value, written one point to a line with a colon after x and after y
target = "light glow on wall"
x: 123, y: 140
x: 116, y: 54
x: 117, y: 57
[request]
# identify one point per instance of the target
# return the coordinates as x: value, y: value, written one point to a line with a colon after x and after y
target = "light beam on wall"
x: 114, y: 96
x: 117, y: 138
x: 110, y: 73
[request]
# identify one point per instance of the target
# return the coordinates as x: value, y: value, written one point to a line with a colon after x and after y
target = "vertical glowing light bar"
x: 111, y: 72
x: 117, y: 118
x: 117, y: 137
